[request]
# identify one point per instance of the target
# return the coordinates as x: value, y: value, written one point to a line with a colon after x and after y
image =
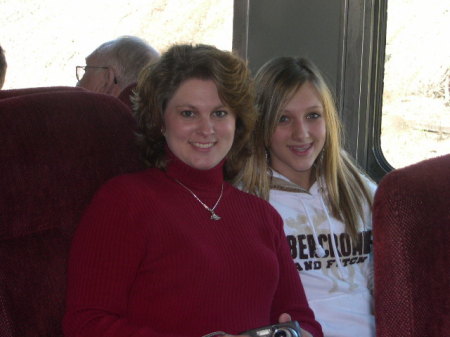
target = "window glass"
x: 44, y: 40
x: 416, y: 100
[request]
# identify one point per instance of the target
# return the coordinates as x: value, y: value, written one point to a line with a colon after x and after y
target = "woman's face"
x: 199, y: 128
x: 299, y: 136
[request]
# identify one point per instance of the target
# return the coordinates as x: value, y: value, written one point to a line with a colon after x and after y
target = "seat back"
x: 56, y: 150
x: 411, y: 228
x: 126, y: 94
x: 27, y: 91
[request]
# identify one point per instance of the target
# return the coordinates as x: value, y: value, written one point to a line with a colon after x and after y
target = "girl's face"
x: 299, y: 136
x: 199, y: 128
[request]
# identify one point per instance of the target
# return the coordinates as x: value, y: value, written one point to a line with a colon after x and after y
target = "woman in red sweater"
x: 176, y: 250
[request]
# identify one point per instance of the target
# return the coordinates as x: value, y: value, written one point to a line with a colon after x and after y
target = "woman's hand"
x: 284, y: 318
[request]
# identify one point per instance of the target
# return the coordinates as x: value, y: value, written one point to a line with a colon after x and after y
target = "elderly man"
x: 114, y: 66
x: 3, y: 66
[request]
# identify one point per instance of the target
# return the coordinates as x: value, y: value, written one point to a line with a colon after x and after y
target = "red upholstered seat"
x: 56, y: 150
x: 125, y: 95
x: 27, y: 91
x: 411, y: 227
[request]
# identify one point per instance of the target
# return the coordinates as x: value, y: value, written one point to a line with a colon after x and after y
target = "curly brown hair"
x: 158, y: 82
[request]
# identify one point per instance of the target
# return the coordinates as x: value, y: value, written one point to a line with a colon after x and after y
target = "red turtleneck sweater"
x: 147, y: 260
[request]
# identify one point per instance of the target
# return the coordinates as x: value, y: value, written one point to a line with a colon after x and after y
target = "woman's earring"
x: 267, y: 154
x: 320, y: 159
x: 319, y: 163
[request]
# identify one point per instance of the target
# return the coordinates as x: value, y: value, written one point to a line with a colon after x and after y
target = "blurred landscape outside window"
x: 416, y: 99
x: 44, y: 40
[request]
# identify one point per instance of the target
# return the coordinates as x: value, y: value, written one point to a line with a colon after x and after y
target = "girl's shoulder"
x: 369, y: 183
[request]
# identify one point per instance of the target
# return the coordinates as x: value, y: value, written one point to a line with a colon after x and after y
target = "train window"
x: 416, y: 100
x: 44, y: 40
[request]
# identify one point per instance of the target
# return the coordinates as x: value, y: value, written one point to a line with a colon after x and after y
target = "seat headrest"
x: 27, y: 91
x: 56, y: 150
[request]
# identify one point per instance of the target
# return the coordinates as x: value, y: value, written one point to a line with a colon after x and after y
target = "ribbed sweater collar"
x: 197, y: 180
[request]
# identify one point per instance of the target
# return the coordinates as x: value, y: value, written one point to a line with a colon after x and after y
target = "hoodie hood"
x: 281, y: 183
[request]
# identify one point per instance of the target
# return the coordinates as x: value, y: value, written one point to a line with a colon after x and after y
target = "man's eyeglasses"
x: 80, y: 70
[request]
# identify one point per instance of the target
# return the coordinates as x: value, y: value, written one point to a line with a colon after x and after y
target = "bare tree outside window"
x: 416, y: 99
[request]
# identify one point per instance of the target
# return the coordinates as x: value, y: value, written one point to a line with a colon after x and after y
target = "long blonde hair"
x: 276, y: 82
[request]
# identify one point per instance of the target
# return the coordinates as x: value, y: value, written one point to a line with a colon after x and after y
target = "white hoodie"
x: 338, y: 289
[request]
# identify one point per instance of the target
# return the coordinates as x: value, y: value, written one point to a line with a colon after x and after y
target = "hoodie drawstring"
x: 333, y: 241
x: 320, y: 252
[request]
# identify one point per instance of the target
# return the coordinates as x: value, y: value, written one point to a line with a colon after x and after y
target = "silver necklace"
x: 214, y: 216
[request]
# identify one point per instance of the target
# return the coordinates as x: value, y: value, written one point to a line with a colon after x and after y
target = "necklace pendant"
x: 214, y: 216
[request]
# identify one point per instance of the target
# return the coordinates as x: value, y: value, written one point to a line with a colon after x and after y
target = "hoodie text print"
x: 336, y: 271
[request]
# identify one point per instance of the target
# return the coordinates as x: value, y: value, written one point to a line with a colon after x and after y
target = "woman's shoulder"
x: 244, y: 195
x: 252, y: 201
x: 132, y: 182
x: 369, y: 183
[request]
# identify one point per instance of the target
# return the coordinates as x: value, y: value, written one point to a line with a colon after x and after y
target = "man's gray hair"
x: 128, y: 55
